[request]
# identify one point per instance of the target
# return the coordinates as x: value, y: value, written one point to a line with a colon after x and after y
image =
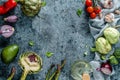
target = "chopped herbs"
x: 31, y: 43
x: 43, y: 4
x: 49, y: 54
x: 86, y: 45
x: 85, y: 53
x: 79, y: 12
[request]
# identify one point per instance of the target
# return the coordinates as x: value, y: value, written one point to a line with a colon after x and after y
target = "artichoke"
x: 79, y: 69
x: 31, y: 7
x: 102, y: 45
x: 30, y: 62
x: 112, y: 35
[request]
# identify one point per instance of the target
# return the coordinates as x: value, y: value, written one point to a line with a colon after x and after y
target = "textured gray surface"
x: 56, y: 29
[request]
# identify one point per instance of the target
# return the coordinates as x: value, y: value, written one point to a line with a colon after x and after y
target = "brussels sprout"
x: 117, y: 53
x: 102, y: 46
x: 113, y: 60
x: 112, y: 35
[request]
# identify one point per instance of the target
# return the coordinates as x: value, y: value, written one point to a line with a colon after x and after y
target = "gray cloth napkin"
x: 98, y: 25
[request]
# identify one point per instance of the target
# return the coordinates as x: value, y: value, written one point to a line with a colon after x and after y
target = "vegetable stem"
x: 118, y: 26
x: 63, y: 63
x: 55, y: 75
x: 24, y: 74
x: 47, y: 75
x: 94, y: 3
x: 93, y: 49
x: 12, y: 74
x: 58, y: 72
x: 51, y: 77
x: 19, y: 1
x: 43, y: 3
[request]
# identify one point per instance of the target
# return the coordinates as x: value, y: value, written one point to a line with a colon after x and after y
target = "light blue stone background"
x: 55, y: 29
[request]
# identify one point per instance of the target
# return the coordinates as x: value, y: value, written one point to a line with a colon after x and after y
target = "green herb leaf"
x: 85, y: 53
x: 103, y: 57
x: 31, y: 43
x: 79, y: 12
x: 113, y: 60
x: 49, y: 54
x: 43, y: 4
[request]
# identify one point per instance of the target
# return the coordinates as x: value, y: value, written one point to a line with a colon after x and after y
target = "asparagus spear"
x: 58, y: 72
x: 49, y: 71
x: 59, y: 67
x: 55, y: 75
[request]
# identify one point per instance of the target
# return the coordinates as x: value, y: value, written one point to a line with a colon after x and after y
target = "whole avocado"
x: 9, y: 53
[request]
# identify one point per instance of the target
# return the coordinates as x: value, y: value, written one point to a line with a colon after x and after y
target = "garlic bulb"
x: 109, y: 17
x: 107, y: 4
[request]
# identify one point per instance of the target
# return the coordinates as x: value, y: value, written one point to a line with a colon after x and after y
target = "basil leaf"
x: 43, y: 4
x: 49, y: 54
x: 31, y: 43
x: 79, y: 12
